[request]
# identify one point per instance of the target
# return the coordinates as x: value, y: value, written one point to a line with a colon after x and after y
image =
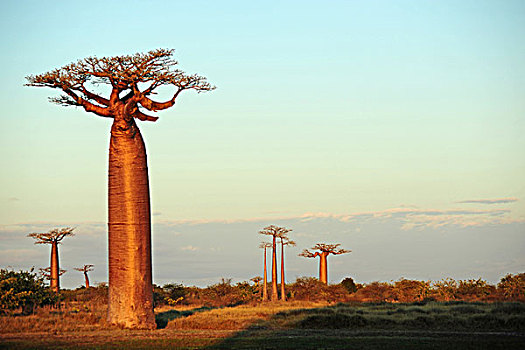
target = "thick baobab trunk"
x: 283, y: 293
x: 130, y: 276
x: 265, y: 283
x: 323, y: 268
x: 54, y: 274
x: 275, y: 294
x: 86, y: 278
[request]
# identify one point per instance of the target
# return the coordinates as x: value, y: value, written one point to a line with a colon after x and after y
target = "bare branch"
x: 153, y: 69
x: 53, y: 236
x: 265, y: 245
x: 275, y: 231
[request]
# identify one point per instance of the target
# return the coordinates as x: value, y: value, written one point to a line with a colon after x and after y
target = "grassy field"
x: 297, y: 325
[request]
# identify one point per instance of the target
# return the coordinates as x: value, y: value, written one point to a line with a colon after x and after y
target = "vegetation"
x: 23, y: 291
x: 132, y: 80
x: 230, y: 316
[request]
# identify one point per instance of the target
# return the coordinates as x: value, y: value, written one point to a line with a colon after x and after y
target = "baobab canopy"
x: 133, y: 78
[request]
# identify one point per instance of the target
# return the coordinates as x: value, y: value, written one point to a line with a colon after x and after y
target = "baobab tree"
x: 53, y: 237
x: 132, y: 80
x: 265, y: 245
x: 85, y: 269
x: 274, y: 231
x: 284, y: 241
x: 323, y: 251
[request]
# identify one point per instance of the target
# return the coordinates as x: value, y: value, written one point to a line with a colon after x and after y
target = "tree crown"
x: 53, y: 236
x: 85, y: 268
x: 275, y: 231
x: 137, y: 76
x: 324, y: 248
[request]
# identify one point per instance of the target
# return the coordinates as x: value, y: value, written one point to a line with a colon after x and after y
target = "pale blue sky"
x: 338, y: 107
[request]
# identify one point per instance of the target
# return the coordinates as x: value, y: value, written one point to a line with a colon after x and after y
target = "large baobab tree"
x: 265, y: 245
x: 284, y: 241
x: 131, y: 80
x: 53, y: 237
x: 323, y: 250
x: 274, y: 231
x: 85, y: 269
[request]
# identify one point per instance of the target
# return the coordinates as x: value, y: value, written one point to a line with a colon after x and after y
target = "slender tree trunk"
x: 55, y: 268
x: 129, y: 229
x: 265, y: 283
x: 275, y: 294
x: 323, y: 268
x: 283, y: 293
x: 87, y: 279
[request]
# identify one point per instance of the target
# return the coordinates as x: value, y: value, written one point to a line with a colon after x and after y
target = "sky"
x: 392, y: 127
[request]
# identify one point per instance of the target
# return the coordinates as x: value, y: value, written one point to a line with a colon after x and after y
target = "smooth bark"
x: 54, y: 274
x: 283, y: 292
x: 129, y: 229
x: 323, y: 267
x: 86, y: 278
x: 275, y: 293
x: 265, y: 283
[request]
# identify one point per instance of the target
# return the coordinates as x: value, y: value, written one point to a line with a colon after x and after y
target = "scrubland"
x: 399, y: 315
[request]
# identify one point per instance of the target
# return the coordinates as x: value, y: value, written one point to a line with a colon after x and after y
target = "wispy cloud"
x: 190, y: 248
x: 489, y: 201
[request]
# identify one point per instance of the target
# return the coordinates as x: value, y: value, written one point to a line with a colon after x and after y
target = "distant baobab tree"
x: 274, y: 231
x: 132, y: 80
x: 265, y: 245
x: 323, y: 251
x: 85, y: 269
x: 284, y: 241
x: 53, y: 237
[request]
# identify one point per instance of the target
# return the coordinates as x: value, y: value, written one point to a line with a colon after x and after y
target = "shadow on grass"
x: 163, y: 318
x: 387, y: 326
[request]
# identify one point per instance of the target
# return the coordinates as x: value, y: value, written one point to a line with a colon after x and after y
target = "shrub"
x: 349, y: 284
x: 23, y: 290
x: 513, y: 287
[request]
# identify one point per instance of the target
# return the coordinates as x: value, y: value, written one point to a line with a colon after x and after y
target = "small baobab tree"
x: 265, y: 245
x: 85, y: 269
x: 284, y: 241
x: 53, y: 237
x: 132, y: 80
x: 323, y: 250
x: 274, y: 231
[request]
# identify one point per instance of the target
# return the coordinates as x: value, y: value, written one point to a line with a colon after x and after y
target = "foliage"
x: 513, y: 287
x: 349, y: 284
x: 406, y: 291
x: 24, y: 290
x: 311, y: 289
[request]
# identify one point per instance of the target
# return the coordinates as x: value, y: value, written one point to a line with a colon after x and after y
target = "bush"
x: 513, y: 287
x: 349, y: 284
x: 23, y: 290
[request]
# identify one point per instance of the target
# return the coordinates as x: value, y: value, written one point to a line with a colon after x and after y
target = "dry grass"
x: 239, y: 317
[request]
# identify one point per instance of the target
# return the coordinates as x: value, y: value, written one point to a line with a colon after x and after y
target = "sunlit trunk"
x: 55, y: 268
x: 275, y: 294
x: 265, y: 283
x: 323, y: 267
x: 129, y: 229
x: 283, y: 293
x: 86, y: 278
